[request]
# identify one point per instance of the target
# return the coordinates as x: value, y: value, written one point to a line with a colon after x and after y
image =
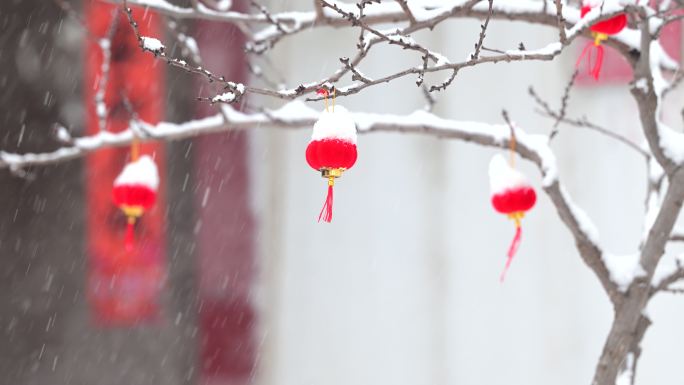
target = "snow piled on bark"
x: 623, y: 269
x: 152, y: 44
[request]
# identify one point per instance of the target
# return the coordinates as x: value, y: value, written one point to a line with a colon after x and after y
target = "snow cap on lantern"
x: 512, y: 195
x: 332, y: 149
x: 511, y: 192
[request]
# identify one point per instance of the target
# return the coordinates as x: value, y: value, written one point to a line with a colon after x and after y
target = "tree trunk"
x: 625, y: 336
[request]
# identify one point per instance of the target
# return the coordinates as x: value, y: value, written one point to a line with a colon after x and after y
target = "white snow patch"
x: 190, y: 45
x: 672, y: 142
x: 223, y: 5
x: 141, y: 172
x: 540, y: 145
x: 623, y: 269
x: 625, y: 377
x: 503, y: 177
x: 152, y: 44
x: 655, y: 170
x: 337, y: 125
x: 226, y: 97
x: 441, y: 59
x: 642, y: 85
x: 295, y: 110
x: 63, y: 134
x: 408, y: 40
x: 652, y: 209
x: 585, y: 224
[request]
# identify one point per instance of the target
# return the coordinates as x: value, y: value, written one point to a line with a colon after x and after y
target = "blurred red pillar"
x: 226, y: 229
x: 123, y: 287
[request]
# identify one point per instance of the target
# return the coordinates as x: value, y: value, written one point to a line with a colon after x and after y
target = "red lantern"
x: 600, y: 31
x: 135, y: 190
x: 332, y: 149
x: 511, y: 195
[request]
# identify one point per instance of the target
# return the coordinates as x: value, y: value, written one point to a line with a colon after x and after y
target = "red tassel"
x: 595, y: 69
x: 129, y: 239
x: 511, y: 251
x: 599, y: 62
x: 585, y: 51
x: 326, y: 211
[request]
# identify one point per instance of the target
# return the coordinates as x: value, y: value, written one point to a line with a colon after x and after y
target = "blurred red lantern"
x: 600, y: 31
x: 332, y: 149
x: 511, y: 194
x: 135, y: 190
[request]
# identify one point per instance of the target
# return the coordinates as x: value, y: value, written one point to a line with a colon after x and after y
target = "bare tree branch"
x: 583, y: 122
x: 404, y: 5
x: 561, y: 21
x: 483, y: 32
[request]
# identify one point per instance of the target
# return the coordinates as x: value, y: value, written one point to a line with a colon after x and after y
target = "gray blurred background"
x: 401, y: 288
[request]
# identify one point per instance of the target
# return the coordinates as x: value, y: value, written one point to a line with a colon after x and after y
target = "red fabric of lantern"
x: 332, y: 150
x: 511, y: 195
x: 134, y: 195
x: 610, y: 26
x: 516, y: 199
x: 331, y: 153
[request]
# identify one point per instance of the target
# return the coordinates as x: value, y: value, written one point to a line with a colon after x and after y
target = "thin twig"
x: 483, y: 32
x: 404, y: 5
x: 584, y: 123
x: 564, y: 101
x: 561, y: 21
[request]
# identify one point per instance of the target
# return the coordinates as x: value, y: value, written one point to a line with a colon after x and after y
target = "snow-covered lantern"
x: 135, y: 190
x: 332, y: 149
x: 512, y: 195
x: 600, y: 32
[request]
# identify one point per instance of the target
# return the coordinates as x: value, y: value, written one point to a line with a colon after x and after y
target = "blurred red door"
x: 225, y: 229
x: 123, y: 287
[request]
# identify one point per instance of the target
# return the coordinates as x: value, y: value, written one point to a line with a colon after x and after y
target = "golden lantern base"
x: 132, y: 211
x: 328, y: 173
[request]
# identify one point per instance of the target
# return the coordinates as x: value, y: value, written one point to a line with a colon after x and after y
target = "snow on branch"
x: 667, y: 275
x: 422, y: 15
x: 648, y: 89
x: 296, y: 115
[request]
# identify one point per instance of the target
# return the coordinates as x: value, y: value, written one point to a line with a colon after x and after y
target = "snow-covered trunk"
x: 630, y: 323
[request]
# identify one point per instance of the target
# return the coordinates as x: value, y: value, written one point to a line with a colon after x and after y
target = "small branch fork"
x: 583, y: 122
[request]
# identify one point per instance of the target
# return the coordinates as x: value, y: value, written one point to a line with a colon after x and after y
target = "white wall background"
x: 402, y: 287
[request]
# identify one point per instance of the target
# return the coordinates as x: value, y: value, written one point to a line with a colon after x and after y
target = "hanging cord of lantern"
x: 516, y: 216
x: 132, y: 212
x: 326, y: 94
